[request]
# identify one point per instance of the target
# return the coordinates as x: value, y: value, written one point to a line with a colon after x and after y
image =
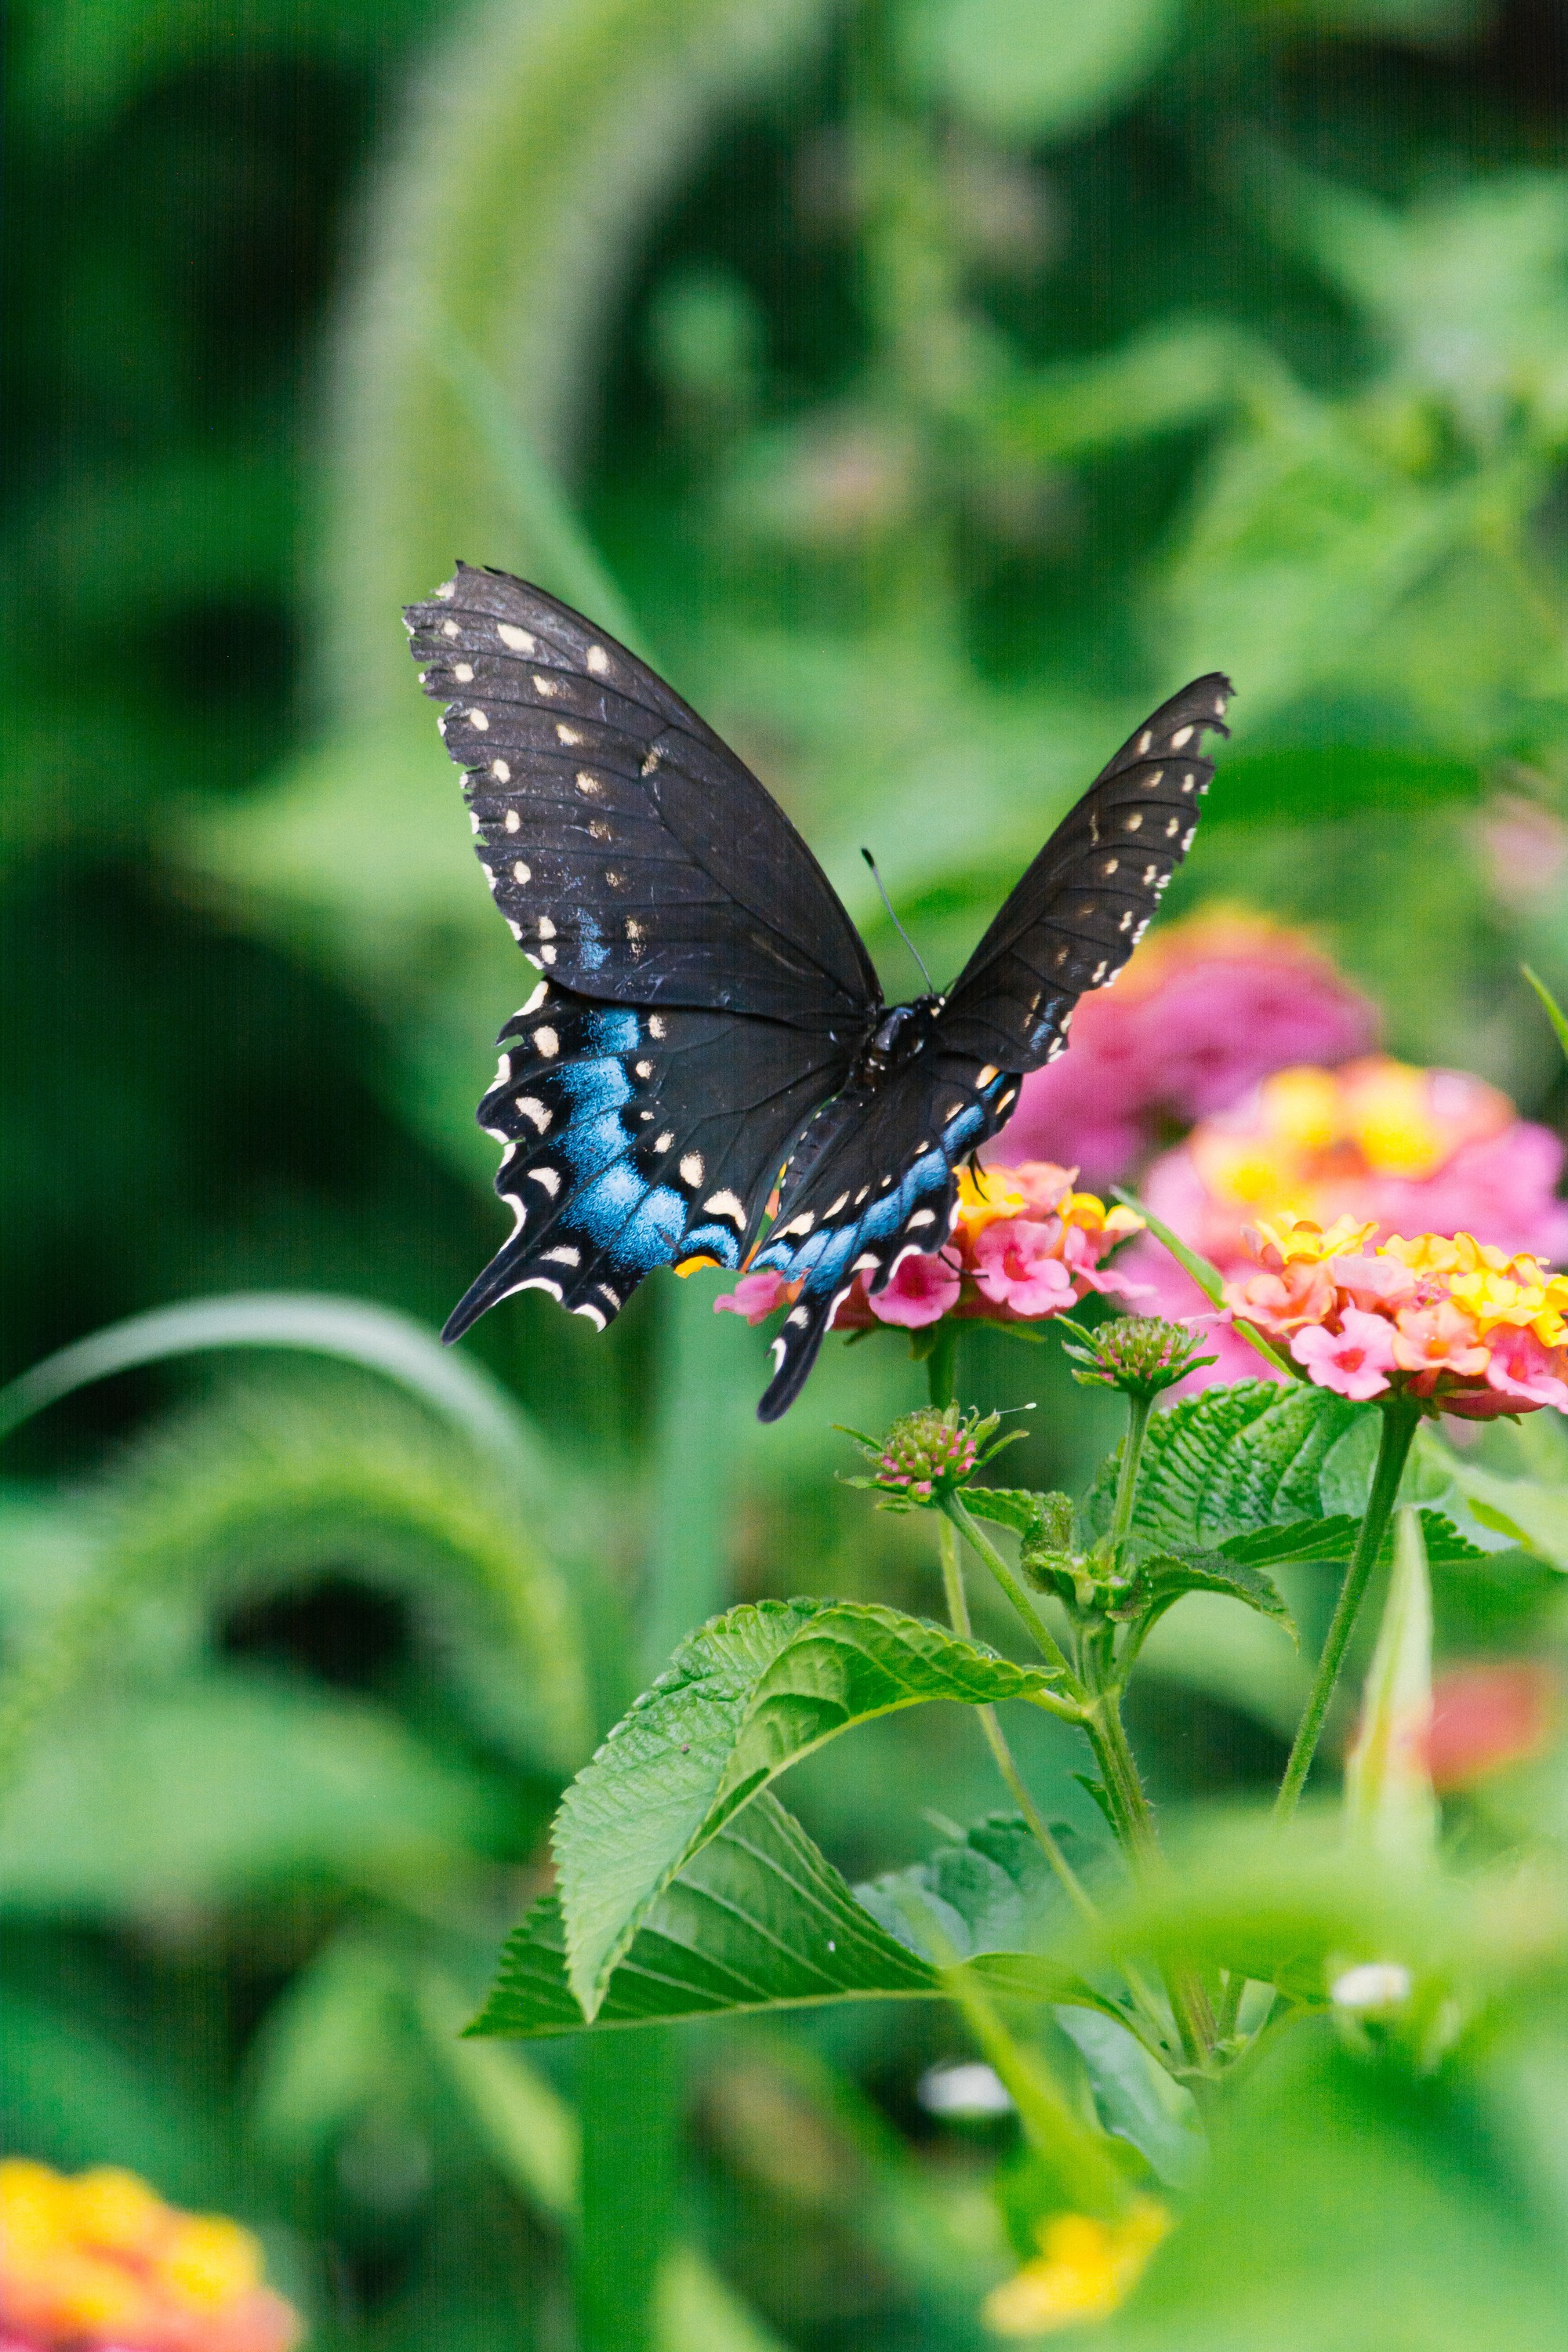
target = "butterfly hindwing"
x: 1072, y: 921
x: 634, y: 856
x: 632, y: 1138
x: 880, y: 1184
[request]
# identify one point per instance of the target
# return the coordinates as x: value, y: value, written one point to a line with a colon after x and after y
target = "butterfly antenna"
x: 882, y: 888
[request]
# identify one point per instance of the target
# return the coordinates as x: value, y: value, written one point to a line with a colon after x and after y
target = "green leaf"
x: 1163, y: 1580
x: 1227, y: 1462
x: 1444, y: 1546
x: 1136, y: 2098
x: 1332, y: 1539
x: 1005, y: 1507
x: 757, y: 1919
x: 1554, y: 1013
x: 743, y: 1698
x: 1033, y: 69
x: 1389, y: 1802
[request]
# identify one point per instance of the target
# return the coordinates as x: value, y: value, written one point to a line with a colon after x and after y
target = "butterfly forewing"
x: 1072, y: 921
x: 632, y: 853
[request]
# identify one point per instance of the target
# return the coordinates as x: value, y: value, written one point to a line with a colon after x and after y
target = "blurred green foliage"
x: 939, y: 380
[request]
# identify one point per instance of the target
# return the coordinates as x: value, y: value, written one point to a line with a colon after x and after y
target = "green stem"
x: 942, y: 1365
x: 1400, y: 1417
x: 1139, y: 1408
x: 1131, y: 1811
x: 996, y: 1739
x: 1049, y: 1647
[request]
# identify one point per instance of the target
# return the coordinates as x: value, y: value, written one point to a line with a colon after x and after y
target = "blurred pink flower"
x: 1203, y: 1010
x: 756, y: 1296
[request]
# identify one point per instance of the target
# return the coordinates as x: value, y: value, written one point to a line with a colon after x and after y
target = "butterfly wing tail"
x: 795, y: 1352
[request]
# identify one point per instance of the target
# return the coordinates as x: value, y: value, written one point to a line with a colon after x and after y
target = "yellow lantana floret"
x: 1493, y: 1300
x: 1303, y: 1238
x: 112, y: 2210
x: 1085, y: 2268
x: 987, y: 1199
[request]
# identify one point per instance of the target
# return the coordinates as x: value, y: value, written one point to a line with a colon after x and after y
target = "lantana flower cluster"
x: 1455, y: 1321
x: 1204, y: 1009
x: 100, y: 2263
x: 1026, y: 1245
x: 1379, y: 1141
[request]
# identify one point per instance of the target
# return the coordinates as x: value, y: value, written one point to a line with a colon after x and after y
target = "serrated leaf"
x: 1005, y: 1507
x: 1163, y: 1580
x: 1227, y: 1462
x: 1444, y: 1546
x: 1306, y: 1539
x: 758, y: 1920
x: 743, y: 1698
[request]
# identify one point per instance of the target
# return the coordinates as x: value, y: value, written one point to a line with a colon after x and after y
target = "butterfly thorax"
x: 903, y: 1031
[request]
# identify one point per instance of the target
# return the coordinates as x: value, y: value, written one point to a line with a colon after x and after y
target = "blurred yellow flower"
x: 1084, y: 2270
x: 100, y: 2262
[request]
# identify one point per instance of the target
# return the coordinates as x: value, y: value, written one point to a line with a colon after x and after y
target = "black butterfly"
x: 706, y: 1016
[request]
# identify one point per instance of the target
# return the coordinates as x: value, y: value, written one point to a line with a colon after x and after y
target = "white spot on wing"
x: 547, y: 1043
x: 477, y: 720
x: 564, y: 734
x: 522, y: 873
x: 726, y: 1204
x: 530, y: 1108
x: 1181, y: 738
x: 464, y: 673
x: 664, y: 1142
x: 597, y: 659
x: 549, y: 1177
x: 518, y: 639
x: 691, y: 1168
x: 566, y: 1254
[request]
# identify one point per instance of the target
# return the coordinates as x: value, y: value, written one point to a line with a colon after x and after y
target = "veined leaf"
x: 1332, y: 1539
x: 745, y: 1696
x: 758, y: 1920
x: 1005, y: 1507
x: 1227, y: 1463
x: 1163, y: 1580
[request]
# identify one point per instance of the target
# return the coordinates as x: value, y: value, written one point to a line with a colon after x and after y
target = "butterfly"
x: 708, y: 1045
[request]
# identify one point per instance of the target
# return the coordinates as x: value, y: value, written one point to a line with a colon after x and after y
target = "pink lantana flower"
x: 1281, y: 1303
x: 1440, y: 1339
x: 1521, y: 1369
x: 1354, y: 1361
x: 1015, y: 1266
x: 922, y: 1289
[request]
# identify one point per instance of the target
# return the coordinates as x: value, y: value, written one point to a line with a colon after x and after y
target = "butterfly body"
x: 708, y: 1029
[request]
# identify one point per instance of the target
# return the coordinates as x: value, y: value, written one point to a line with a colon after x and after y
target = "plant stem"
x: 1131, y: 1809
x: 980, y: 1543
x: 1139, y: 1408
x: 996, y: 1739
x: 942, y: 1365
x: 1400, y: 1417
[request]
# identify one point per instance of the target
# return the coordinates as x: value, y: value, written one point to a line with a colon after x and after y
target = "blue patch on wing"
x: 652, y: 1234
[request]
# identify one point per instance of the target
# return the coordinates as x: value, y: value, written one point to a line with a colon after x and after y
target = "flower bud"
x: 934, y: 1448
x: 1139, y: 1354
